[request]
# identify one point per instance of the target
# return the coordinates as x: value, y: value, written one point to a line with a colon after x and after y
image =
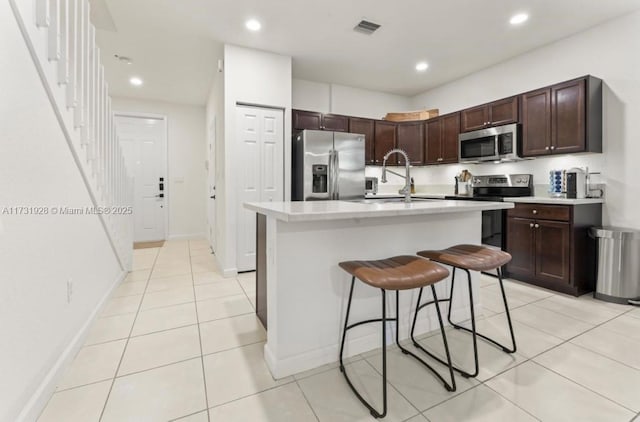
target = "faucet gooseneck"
x: 406, y: 190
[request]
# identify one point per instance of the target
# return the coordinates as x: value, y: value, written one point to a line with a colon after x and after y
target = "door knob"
x: 537, y: 226
x: 531, y: 225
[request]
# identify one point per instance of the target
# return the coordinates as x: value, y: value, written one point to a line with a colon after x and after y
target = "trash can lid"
x: 614, y: 232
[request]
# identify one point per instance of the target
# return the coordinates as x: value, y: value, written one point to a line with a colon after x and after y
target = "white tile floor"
x: 179, y: 342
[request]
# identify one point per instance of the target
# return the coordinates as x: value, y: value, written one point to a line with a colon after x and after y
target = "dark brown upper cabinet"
x: 318, y: 121
x: 563, y: 118
x: 335, y: 122
x: 411, y: 140
x: 501, y: 112
x: 536, y: 122
x: 306, y: 120
x: 367, y: 128
x: 442, y: 139
x: 385, y: 140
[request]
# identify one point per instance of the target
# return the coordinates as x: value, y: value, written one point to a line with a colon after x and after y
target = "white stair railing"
x: 61, y: 40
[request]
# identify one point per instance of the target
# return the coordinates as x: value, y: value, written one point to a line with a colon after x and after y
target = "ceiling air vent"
x: 366, y: 27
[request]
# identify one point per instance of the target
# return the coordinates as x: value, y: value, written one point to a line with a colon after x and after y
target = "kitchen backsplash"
x: 440, y: 179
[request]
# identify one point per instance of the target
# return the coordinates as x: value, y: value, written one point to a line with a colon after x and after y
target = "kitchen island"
x: 301, y: 292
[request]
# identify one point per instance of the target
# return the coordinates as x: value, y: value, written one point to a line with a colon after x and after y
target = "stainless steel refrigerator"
x: 327, y: 165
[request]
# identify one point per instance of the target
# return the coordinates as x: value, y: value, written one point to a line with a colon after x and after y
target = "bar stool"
x: 468, y: 258
x: 397, y: 273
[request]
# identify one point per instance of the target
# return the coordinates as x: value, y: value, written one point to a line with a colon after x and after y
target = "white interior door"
x: 211, y: 184
x: 143, y: 142
x: 260, y: 172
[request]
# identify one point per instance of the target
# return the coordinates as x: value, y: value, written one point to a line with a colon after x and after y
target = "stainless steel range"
x: 496, y: 188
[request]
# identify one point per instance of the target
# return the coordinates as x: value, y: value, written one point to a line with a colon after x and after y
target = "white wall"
x: 254, y: 77
x: 610, y: 52
x: 215, y: 110
x: 39, y: 254
x: 187, y: 149
x: 340, y: 99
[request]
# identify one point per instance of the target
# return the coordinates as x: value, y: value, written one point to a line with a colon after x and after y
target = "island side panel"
x: 261, y: 268
x: 310, y: 289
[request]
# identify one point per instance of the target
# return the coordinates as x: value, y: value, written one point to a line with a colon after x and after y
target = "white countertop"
x: 413, y: 195
x: 558, y: 201
x: 337, y: 210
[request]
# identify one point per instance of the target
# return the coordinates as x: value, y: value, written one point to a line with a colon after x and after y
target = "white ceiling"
x: 175, y: 44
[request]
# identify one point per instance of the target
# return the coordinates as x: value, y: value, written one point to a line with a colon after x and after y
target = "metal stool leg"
x: 449, y: 386
x: 473, y: 324
x: 373, y: 411
x: 506, y: 308
x: 504, y: 298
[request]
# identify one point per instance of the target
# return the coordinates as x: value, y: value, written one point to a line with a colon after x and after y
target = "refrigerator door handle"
x: 330, y: 176
x: 336, y: 166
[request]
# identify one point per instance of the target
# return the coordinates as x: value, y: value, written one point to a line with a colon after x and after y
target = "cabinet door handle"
x: 552, y: 147
x: 440, y: 159
x: 546, y: 148
x: 537, y: 226
x: 531, y: 225
x: 534, y: 211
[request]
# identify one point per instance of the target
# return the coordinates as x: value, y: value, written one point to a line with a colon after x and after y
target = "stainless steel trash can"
x: 618, y: 263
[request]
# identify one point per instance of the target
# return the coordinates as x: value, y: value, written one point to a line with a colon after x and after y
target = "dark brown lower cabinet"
x: 550, y: 246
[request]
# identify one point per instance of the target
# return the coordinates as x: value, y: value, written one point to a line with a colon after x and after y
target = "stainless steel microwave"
x: 501, y: 143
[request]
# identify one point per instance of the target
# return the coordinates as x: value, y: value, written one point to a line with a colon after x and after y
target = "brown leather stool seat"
x: 469, y: 258
x: 397, y: 273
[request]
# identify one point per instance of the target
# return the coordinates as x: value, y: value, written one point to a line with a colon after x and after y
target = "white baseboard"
x: 230, y: 272
x: 314, y: 358
x: 187, y: 236
x: 31, y: 411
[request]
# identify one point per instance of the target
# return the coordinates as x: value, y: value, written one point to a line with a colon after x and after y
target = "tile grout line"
x: 124, y: 350
x: 254, y: 394
x: 583, y: 386
x: 396, y: 389
x: 195, y: 300
x: 306, y: 399
x: 531, y: 359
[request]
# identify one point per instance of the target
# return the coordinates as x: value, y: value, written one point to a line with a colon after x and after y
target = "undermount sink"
x: 388, y: 200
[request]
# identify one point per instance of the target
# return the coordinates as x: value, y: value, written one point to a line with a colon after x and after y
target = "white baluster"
x: 96, y: 108
x: 42, y: 13
x: 63, y: 68
x: 80, y: 65
x: 72, y: 52
x: 53, y: 43
x: 89, y: 121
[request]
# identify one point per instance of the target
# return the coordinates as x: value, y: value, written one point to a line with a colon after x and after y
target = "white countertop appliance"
x: 576, y: 180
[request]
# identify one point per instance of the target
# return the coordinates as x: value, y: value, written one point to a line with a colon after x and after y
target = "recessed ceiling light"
x: 422, y: 66
x: 135, y: 81
x: 518, y: 19
x: 253, y: 25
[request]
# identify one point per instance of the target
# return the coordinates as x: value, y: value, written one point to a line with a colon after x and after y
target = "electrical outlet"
x: 69, y: 290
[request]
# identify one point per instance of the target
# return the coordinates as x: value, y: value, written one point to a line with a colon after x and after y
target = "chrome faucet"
x: 406, y: 190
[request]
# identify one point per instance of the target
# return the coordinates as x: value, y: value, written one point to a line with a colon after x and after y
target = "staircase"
x: 61, y: 41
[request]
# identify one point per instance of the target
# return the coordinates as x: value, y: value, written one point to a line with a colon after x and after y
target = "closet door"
x: 259, y: 171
